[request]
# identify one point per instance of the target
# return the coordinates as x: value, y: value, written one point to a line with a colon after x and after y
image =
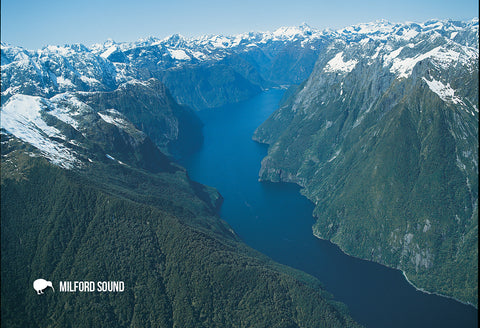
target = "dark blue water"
x: 276, y: 220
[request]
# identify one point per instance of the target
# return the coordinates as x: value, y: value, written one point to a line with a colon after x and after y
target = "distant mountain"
x: 88, y: 195
x: 383, y: 136
x: 268, y: 53
x: 54, y: 70
x: 202, y: 73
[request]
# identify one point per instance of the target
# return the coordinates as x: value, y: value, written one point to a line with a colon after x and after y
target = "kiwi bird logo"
x: 41, y: 284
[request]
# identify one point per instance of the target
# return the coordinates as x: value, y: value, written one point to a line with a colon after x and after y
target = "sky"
x: 33, y: 24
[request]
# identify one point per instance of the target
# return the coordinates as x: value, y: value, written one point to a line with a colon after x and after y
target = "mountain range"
x: 205, y: 72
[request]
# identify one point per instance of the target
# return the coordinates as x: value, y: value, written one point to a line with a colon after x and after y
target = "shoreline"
x: 404, y: 275
x: 431, y: 293
x: 303, y: 193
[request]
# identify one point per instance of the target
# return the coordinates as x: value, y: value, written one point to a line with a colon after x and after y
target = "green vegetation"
x: 391, y: 168
x: 158, y: 232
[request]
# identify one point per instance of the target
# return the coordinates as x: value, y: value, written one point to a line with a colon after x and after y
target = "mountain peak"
x: 175, y: 40
x: 291, y: 32
x: 110, y: 42
x: 305, y: 27
x: 65, y: 50
x: 150, y: 40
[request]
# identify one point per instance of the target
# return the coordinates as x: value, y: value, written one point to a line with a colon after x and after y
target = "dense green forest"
x: 391, y: 167
x: 158, y: 232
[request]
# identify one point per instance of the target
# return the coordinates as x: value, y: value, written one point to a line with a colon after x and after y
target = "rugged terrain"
x: 383, y: 136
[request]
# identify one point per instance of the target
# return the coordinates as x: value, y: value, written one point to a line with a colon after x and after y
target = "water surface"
x: 276, y: 220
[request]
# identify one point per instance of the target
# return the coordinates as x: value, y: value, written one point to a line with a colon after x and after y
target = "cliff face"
x: 383, y: 137
x: 150, y: 106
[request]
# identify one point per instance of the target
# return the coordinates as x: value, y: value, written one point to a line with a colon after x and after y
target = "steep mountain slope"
x: 146, y: 106
x: 151, y: 108
x: 383, y: 137
x: 181, y: 266
x: 87, y: 196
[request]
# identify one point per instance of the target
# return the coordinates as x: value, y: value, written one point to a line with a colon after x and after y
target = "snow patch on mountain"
x: 21, y: 117
x: 377, y: 27
x: 64, y: 82
x: 89, y: 80
x: 68, y: 109
x: 440, y: 56
x: 108, y: 52
x: 62, y: 51
x: 178, y: 54
x: 445, y: 92
x: 337, y: 64
x: 410, y: 34
x: 114, y: 117
x: 388, y: 58
x: 63, y: 115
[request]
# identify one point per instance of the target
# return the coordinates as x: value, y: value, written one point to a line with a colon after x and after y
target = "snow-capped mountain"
x: 191, y: 67
x: 395, y: 52
x: 213, y: 47
x: 53, y: 70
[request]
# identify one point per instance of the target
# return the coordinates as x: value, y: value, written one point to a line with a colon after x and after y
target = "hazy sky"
x: 35, y: 23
